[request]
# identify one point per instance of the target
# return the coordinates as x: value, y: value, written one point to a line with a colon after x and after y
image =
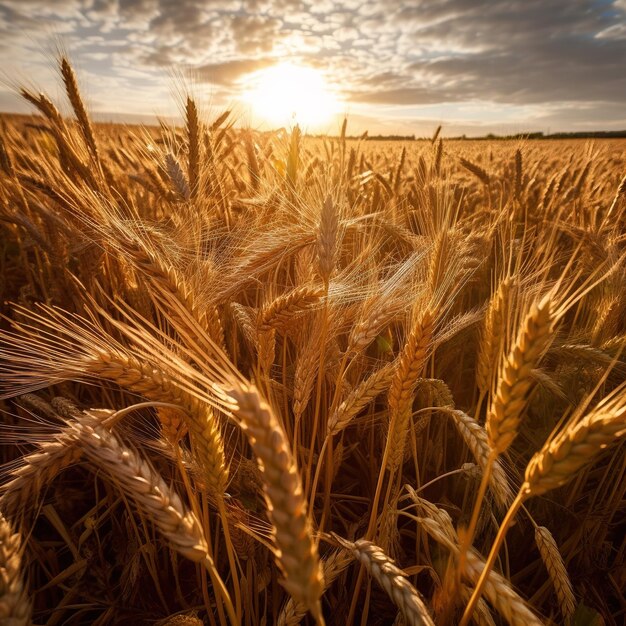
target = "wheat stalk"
x: 482, y: 616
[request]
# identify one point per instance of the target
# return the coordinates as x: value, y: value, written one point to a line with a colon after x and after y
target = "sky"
x: 501, y: 66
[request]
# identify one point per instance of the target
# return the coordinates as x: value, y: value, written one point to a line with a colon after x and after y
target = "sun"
x: 286, y: 94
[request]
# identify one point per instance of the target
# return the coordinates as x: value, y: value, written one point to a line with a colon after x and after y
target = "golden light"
x: 287, y: 94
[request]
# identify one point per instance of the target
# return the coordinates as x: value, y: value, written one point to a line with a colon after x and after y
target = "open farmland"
x: 242, y: 373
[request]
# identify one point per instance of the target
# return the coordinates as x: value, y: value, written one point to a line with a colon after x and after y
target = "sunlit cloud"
x: 395, y: 62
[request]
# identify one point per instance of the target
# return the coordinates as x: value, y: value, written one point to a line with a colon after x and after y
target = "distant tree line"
x: 594, y: 134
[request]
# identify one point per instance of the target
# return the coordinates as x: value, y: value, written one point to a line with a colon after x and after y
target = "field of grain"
x: 269, y: 379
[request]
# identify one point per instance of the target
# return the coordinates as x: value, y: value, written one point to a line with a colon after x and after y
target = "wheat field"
x: 273, y: 379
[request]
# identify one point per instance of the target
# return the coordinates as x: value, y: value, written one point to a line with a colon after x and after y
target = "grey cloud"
x: 228, y: 72
x: 403, y: 96
x: 585, y: 116
x: 255, y: 33
x: 524, y: 51
x: 548, y: 71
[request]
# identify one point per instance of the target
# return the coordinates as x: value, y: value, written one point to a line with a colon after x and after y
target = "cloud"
x: 229, y: 72
x: 391, y: 53
x: 402, y: 96
x: 617, y: 31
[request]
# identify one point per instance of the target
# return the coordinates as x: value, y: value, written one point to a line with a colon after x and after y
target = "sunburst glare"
x: 286, y: 94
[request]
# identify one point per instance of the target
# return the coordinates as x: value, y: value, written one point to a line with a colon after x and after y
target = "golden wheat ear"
x: 295, y: 550
x: 552, y: 559
x: 515, y: 377
x: 15, y: 606
x: 562, y: 457
x: 332, y: 567
x: 391, y: 578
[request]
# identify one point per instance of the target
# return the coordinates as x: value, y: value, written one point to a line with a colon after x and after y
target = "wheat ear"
x: 144, y: 486
x: 332, y: 566
x: 327, y: 249
x: 172, y: 288
x: 410, y: 365
x: 193, y: 148
x: 507, y: 406
x: 306, y: 371
x: 475, y: 438
x: 177, y: 176
x: 78, y: 351
x: 475, y: 169
x: 36, y: 471
x: 391, y: 578
x: 516, y: 377
x: 155, y: 384
x: 282, y: 311
x: 73, y: 93
x: 15, y: 606
x: 189, y: 619
x: 559, y: 459
x: 619, y: 195
x: 295, y: 550
x: 360, y: 397
x: 492, y: 336
x: 500, y: 594
x: 552, y: 559
x: 519, y: 169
